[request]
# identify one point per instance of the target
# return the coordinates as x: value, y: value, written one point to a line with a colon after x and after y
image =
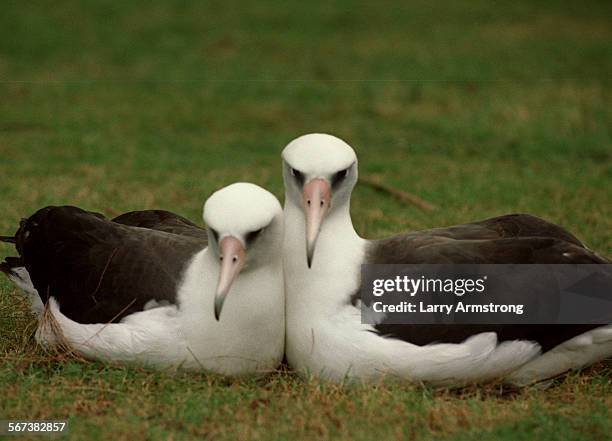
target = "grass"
x: 480, y: 109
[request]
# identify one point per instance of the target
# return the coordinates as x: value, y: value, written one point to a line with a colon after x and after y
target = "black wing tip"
x: 8, y: 239
x: 9, y: 263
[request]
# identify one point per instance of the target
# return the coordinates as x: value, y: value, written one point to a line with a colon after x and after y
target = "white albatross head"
x: 245, y: 230
x: 320, y: 172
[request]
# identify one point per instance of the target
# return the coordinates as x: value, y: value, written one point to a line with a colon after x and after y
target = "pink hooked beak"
x: 232, y: 256
x: 317, y: 200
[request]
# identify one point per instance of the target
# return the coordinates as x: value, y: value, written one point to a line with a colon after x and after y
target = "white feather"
x: 21, y: 278
x: 576, y: 353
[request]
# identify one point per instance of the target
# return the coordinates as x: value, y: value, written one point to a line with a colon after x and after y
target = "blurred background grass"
x: 480, y: 108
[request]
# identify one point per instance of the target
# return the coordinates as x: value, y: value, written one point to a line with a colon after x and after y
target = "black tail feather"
x: 10, y: 263
x: 8, y: 239
x: 5, y: 267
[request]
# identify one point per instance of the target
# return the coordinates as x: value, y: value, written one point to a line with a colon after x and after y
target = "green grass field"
x: 479, y: 108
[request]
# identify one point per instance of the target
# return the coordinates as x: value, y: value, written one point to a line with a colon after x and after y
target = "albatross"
x: 323, y: 255
x: 152, y: 288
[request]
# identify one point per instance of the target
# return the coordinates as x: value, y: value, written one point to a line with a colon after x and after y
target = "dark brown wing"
x: 511, y: 239
x: 162, y: 220
x: 100, y: 270
x: 516, y: 238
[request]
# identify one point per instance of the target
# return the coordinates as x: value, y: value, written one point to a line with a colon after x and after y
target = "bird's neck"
x: 253, y: 313
x: 336, y: 263
x: 254, y: 292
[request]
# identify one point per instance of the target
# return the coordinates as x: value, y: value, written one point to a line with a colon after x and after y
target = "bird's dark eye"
x: 339, y: 177
x: 251, y: 236
x: 298, y: 175
x: 215, y: 234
